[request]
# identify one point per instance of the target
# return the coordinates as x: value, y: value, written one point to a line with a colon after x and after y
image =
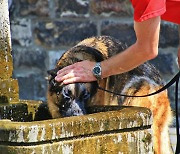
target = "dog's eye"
x: 66, y: 93
x: 85, y: 95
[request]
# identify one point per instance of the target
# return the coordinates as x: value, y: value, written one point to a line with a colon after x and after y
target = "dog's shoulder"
x: 93, y: 48
x: 107, y: 45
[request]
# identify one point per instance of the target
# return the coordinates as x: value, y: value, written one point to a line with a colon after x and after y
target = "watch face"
x: 97, y: 70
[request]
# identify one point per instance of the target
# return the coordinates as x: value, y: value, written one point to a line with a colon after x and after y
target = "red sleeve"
x: 146, y: 9
x: 172, y: 13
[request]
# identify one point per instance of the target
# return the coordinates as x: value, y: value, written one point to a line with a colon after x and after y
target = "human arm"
x: 145, y: 48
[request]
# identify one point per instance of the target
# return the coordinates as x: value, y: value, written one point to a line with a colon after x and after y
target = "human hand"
x: 77, y: 72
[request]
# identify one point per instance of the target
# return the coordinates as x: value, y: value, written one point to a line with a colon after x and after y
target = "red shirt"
x: 169, y: 10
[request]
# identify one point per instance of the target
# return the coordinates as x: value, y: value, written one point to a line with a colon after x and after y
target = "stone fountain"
x: 124, y: 130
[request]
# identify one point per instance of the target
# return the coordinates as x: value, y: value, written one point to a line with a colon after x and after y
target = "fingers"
x: 70, y: 74
x: 65, y: 69
x: 65, y: 75
x: 78, y: 72
x: 71, y: 80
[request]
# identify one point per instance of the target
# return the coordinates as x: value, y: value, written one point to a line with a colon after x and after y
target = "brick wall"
x: 43, y: 29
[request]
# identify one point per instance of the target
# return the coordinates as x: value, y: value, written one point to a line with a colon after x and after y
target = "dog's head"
x: 72, y: 99
x: 75, y: 98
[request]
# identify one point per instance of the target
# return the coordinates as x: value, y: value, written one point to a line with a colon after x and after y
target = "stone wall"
x: 43, y: 29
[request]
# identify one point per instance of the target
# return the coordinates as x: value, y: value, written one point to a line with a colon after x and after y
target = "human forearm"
x: 125, y: 61
x: 145, y: 48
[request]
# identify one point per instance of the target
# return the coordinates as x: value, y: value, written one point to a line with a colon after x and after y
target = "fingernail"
x: 64, y: 82
x: 56, y: 78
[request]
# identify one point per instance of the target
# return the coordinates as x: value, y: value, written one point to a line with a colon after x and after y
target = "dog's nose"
x: 77, y: 112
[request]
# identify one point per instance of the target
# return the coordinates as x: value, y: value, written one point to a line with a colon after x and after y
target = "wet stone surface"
x: 114, y: 131
x: 8, y: 86
x: 15, y: 112
x: 9, y: 90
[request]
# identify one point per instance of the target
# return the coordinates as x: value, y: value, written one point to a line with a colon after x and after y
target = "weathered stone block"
x: 69, y: 8
x: 5, y: 42
x: 22, y: 111
x: 21, y: 32
x: 114, y: 7
x: 168, y: 35
x: 9, y: 91
x: 165, y: 60
x: 124, y: 131
x: 171, y: 94
x: 5, y: 59
x: 15, y: 112
x: 122, y: 31
x: 33, y: 86
x: 63, y: 33
x: 34, y: 7
x: 8, y: 86
x: 128, y: 142
x: 53, y: 58
x: 29, y: 58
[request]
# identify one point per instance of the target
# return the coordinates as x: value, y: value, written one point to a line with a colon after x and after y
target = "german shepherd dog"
x: 73, y: 99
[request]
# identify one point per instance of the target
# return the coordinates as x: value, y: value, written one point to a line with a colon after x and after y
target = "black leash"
x: 177, y: 121
x: 171, y: 82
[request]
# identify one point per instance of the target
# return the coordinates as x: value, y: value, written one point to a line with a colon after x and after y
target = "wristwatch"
x: 97, y: 71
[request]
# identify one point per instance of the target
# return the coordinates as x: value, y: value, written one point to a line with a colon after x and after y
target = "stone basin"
x: 25, y: 128
x: 124, y: 130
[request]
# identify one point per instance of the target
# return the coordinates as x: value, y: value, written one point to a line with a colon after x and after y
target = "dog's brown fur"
x: 142, y: 80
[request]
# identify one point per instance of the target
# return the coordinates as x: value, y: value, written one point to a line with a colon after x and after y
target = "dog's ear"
x: 53, y: 72
x: 53, y: 84
x: 94, y: 87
